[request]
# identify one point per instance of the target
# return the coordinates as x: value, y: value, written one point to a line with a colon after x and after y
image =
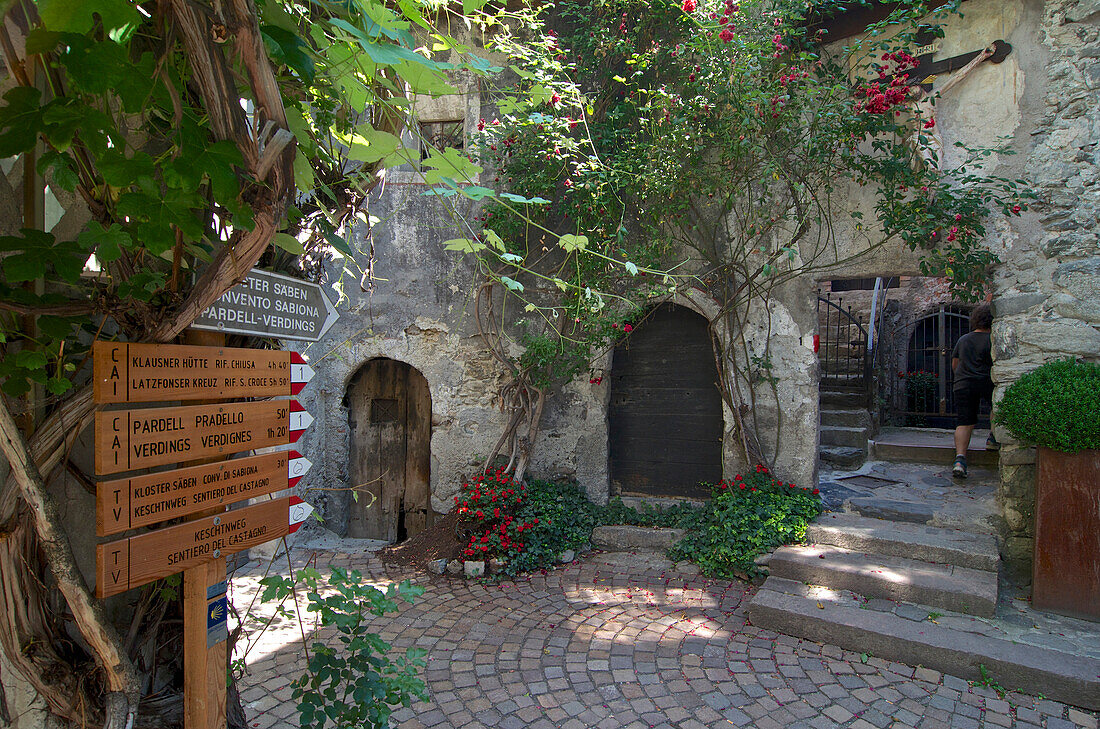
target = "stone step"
x: 832, y: 435
x: 891, y: 510
x: 924, y: 543
x: 960, y: 589
x: 846, y: 418
x: 622, y: 538
x: 789, y: 607
x: 918, y: 453
x: 842, y: 399
x: 843, y: 457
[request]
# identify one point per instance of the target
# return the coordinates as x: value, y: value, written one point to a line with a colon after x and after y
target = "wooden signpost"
x: 139, y: 501
x: 129, y: 439
x: 133, y: 439
x: 127, y: 563
x: 127, y: 372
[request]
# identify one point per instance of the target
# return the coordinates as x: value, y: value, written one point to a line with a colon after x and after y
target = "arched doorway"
x: 390, y: 419
x: 929, y: 397
x: 665, y: 418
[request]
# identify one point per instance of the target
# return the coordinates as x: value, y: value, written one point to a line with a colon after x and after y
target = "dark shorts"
x: 968, y: 397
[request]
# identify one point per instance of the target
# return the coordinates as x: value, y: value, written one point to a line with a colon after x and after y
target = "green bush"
x: 561, y: 518
x: 1056, y: 406
x: 746, y: 517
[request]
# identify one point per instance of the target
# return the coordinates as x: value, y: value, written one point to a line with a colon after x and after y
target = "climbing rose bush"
x: 490, y: 502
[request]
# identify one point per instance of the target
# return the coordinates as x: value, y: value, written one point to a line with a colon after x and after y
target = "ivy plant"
x: 351, y: 680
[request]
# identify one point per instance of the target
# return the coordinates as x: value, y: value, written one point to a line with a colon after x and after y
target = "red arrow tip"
x: 295, y: 406
x: 297, y: 358
x: 295, y: 454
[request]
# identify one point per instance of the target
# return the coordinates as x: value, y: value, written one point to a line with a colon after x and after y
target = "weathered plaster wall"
x: 1046, y: 291
x: 983, y: 110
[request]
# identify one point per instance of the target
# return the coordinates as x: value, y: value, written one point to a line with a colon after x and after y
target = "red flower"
x: 726, y: 35
x: 689, y: 6
x: 1015, y: 208
x: 930, y: 123
x: 555, y: 99
x: 815, y: 492
x: 628, y: 328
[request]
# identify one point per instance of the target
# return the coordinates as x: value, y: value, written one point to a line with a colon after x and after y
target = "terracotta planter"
x: 1066, y: 569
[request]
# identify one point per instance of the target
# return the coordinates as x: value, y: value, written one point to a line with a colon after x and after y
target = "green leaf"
x: 56, y: 327
x: 58, y: 385
x: 119, y: 17
x: 463, y: 245
x: 340, y: 245
x: 107, y: 243
x: 493, y: 239
x: 630, y: 268
x: 511, y: 283
x: 20, y: 120
x: 476, y: 192
x: 367, y: 144
x: 450, y: 164
x: 524, y: 200
x: 385, y: 54
x: 288, y: 49
x: 30, y: 359
x: 288, y: 243
x: 573, y: 242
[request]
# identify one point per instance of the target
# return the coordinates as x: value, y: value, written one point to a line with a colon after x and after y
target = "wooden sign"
x: 129, y: 503
x: 124, y: 564
x: 134, y: 372
x: 129, y: 439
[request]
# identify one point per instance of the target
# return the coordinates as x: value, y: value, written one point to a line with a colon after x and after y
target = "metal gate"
x: 923, y: 386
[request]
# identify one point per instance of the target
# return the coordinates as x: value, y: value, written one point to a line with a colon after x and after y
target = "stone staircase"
x: 909, y: 593
x: 845, y: 427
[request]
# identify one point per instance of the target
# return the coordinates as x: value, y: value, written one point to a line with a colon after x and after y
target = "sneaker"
x: 991, y: 443
x: 959, y: 470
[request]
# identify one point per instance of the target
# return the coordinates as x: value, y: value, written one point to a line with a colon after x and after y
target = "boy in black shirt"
x: 971, y: 362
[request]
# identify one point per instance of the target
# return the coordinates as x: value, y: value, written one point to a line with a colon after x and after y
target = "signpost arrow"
x: 134, y: 372
x: 269, y: 304
x: 299, y: 421
x: 299, y: 466
x: 300, y: 373
x: 299, y: 512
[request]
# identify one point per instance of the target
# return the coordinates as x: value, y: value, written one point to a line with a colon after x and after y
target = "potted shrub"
x: 1057, y: 408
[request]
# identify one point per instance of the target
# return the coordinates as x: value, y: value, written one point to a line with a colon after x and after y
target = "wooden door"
x: 390, y: 414
x: 665, y: 418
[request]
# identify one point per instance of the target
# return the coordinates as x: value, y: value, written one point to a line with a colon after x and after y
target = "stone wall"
x: 1046, y: 292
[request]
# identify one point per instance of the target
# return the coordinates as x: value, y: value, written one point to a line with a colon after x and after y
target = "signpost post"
x: 131, y: 439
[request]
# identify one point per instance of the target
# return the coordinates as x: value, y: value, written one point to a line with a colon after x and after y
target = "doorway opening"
x: 389, y: 417
x: 665, y: 418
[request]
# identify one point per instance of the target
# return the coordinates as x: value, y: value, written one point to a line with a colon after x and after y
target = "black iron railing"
x: 842, y: 347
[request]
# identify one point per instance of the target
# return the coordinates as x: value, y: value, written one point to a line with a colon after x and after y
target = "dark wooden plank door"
x: 665, y: 418
x: 389, y: 409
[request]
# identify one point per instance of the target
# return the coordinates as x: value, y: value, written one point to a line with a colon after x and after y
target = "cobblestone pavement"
x: 621, y: 640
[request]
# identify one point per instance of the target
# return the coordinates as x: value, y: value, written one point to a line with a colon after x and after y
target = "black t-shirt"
x: 974, y: 352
